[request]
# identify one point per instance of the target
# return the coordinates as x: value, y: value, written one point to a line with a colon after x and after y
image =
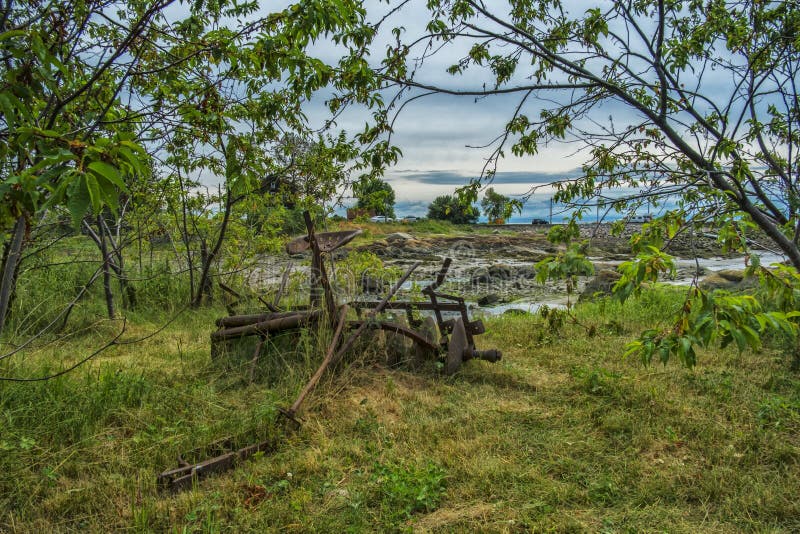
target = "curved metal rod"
x: 397, y: 328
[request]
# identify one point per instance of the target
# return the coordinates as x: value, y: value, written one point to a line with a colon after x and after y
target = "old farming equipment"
x: 440, y: 328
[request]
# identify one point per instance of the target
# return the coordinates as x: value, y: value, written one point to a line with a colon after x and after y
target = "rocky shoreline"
x: 498, y: 267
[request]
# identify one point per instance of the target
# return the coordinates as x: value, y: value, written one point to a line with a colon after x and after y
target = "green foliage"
x: 706, y: 318
x: 450, y: 208
x: 48, y: 160
x: 351, y: 270
x: 567, y: 266
x: 374, y: 194
x: 409, y: 489
x: 646, y: 267
x: 499, y: 207
x: 569, y: 263
x: 564, y: 233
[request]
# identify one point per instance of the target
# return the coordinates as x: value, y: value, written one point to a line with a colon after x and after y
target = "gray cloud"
x: 508, y: 177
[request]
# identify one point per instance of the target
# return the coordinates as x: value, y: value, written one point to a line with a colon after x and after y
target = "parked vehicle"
x: 410, y: 218
x: 640, y: 218
x: 539, y: 221
x: 381, y: 218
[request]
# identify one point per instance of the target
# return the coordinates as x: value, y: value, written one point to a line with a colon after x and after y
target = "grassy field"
x: 561, y: 435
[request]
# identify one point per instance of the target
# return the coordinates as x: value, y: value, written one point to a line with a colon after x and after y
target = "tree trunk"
x: 204, y: 283
x: 106, y: 269
x: 8, y: 282
x: 127, y: 290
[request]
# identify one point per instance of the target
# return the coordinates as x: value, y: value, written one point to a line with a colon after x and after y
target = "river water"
x: 685, y: 267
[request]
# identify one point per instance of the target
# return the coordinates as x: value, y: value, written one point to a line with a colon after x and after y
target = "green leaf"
x: 739, y: 338
x: 107, y: 171
x: 131, y: 158
x: 78, y: 201
x: 94, y: 192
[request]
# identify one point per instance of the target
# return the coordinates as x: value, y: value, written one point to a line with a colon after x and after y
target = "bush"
x: 449, y: 208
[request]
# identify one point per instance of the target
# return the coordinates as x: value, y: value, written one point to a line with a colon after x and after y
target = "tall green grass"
x: 560, y: 435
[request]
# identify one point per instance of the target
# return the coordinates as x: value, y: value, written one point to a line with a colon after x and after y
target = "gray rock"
x: 398, y: 236
x: 730, y: 279
x: 489, y: 299
x: 371, y: 284
x: 501, y: 271
x: 527, y: 272
x: 690, y: 272
x: 602, y: 283
x: 732, y: 275
x: 481, y: 276
x: 715, y: 281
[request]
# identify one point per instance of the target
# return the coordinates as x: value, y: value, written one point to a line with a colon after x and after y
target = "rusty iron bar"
x: 290, y: 413
x: 406, y: 305
x: 462, y: 308
x: 268, y: 305
x: 182, y: 477
x: 230, y: 306
x: 281, y: 288
x: 327, y: 241
x: 264, y: 327
x: 347, y: 344
x: 398, y: 329
x: 489, y: 355
x: 430, y: 290
x: 312, y: 383
x: 319, y: 274
x: 229, y: 289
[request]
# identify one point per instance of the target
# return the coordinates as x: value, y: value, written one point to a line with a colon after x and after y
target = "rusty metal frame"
x: 455, y: 349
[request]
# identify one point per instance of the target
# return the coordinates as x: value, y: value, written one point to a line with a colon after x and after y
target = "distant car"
x: 539, y: 221
x: 410, y: 218
x: 640, y: 218
x: 381, y: 218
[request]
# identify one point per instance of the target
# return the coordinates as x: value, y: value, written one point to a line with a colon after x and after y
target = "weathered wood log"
x: 264, y: 327
x: 242, y: 320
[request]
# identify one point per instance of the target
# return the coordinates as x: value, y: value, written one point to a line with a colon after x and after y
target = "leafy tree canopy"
x: 372, y: 193
x: 497, y: 206
x: 449, y: 208
x: 90, y: 90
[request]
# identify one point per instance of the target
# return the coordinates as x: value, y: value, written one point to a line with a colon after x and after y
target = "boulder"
x: 528, y: 272
x: 501, y: 271
x: 392, y: 252
x: 730, y: 279
x: 398, y: 237
x: 602, y: 283
x: 732, y: 275
x: 481, y: 276
x: 489, y: 299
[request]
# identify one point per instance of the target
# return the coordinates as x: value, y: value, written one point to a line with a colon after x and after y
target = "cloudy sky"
x: 438, y: 133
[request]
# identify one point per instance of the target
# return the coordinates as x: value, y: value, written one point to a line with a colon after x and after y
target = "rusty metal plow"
x: 455, y: 346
